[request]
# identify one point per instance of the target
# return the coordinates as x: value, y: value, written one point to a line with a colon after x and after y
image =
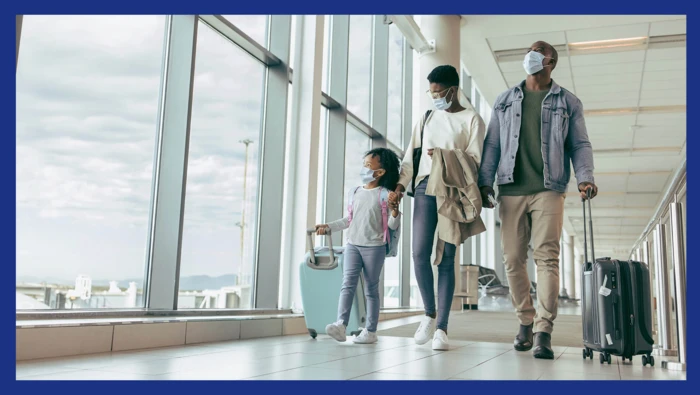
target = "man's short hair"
x: 444, y: 75
x: 552, y: 50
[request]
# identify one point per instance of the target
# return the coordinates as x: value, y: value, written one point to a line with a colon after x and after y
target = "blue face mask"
x: 441, y: 103
x: 367, y: 175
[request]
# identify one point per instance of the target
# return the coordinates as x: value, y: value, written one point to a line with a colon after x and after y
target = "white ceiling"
x: 636, y: 148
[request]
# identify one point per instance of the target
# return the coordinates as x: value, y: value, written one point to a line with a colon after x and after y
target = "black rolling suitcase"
x: 616, y: 305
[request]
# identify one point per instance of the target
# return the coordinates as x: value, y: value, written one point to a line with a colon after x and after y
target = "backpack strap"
x: 350, y: 198
x: 422, y: 128
x: 383, y: 202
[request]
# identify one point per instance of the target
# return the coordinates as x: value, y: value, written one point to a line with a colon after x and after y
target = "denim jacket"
x: 564, y: 139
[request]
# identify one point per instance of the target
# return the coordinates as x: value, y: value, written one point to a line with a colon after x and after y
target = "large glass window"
x: 396, y: 81
x: 356, y: 145
x: 87, y: 104
x: 360, y: 66
x: 254, y: 26
x: 220, y: 222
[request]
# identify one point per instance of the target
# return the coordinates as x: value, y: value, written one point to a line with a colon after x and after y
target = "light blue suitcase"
x: 321, y: 276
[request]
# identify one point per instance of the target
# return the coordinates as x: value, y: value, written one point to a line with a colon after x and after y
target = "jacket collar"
x: 555, y: 89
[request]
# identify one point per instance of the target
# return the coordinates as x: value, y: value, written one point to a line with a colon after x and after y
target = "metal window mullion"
x: 337, y: 117
x: 269, y: 232
x: 170, y: 170
x: 18, y: 30
x: 407, y: 130
x: 227, y: 29
x: 380, y: 76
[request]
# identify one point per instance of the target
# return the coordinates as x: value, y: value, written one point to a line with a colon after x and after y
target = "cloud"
x: 87, y: 107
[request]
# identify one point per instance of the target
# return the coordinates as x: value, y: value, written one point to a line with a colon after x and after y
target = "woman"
x: 451, y: 127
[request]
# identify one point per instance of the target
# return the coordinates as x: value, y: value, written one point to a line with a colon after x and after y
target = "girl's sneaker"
x: 336, y: 331
x: 365, y: 337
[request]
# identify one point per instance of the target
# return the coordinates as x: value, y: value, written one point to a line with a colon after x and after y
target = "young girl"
x: 367, y: 240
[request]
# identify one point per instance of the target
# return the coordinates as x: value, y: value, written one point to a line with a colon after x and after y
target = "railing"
x: 656, y: 230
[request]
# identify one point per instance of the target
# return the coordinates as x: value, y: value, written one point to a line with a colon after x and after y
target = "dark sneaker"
x: 543, y: 346
x: 523, y: 340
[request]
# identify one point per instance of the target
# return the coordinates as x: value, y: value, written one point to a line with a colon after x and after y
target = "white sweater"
x: 464, y: 130
x: 367, y: 227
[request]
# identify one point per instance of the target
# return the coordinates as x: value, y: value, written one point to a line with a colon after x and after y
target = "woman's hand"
x: 322, y: 229
x: 399, y: 192
x: 430, y: 152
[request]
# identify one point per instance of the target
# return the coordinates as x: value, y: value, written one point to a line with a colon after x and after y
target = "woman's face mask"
x: 441, y: 103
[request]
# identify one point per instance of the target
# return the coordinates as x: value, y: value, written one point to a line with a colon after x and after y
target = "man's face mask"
x: 533, y: 62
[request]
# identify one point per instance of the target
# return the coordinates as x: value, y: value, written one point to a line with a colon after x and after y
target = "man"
x: 536, y: 128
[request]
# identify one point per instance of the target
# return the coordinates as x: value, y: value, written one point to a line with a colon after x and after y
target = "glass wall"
x: 360, y: 66
x: 97, y: 140
x: 220, y: 218
x: 396, y: 82
x: 87, y: 107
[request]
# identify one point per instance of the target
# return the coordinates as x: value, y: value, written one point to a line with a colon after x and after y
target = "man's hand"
x: 584, y: 186
x: 485, y: 192
x: 322, y: 229
x: 430, y: 152
x: 399, y: 192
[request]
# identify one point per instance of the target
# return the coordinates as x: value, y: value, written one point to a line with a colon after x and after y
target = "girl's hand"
x: 393, y: 197
x: 395, y: 212
x: 321, y: 229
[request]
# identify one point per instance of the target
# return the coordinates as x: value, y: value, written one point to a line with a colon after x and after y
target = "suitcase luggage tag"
x: 604, y: 290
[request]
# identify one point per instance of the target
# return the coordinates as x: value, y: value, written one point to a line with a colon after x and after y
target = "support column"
x: 444, y: 29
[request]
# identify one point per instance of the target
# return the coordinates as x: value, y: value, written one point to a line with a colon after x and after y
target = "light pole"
x: 242, y: 224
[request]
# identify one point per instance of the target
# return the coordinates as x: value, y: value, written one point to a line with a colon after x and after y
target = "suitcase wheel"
x: 605, y: 357
x: 312, y: 333
x: 647, y: 359
x: 587, y: 352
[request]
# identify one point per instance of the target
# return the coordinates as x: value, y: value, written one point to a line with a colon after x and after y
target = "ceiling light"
x: 602, y: 44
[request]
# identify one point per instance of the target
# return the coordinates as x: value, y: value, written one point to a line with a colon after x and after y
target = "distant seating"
x: 491, y: 285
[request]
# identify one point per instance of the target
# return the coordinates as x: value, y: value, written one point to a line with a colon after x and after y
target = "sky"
x: 87, y: 107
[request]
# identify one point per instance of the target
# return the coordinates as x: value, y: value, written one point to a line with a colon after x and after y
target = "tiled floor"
x: 300, y: 358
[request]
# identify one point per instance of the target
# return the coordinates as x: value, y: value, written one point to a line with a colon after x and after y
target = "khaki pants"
x: 538, y: 217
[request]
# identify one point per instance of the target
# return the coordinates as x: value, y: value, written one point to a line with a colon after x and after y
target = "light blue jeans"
x: 358, y: 259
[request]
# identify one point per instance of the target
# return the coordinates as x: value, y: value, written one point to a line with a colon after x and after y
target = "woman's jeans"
x: 425, y: 217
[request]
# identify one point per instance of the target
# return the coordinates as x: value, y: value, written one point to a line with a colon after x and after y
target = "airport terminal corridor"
x: 351, y: 197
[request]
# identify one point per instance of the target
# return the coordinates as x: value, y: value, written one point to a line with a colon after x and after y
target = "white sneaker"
x: 440, y: 342
x: 425, y: 330
x: 365, y: 337
x: 336, y: 331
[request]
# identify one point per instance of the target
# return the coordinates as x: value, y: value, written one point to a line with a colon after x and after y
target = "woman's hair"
x: 390, y: 163
x: 444, y: 75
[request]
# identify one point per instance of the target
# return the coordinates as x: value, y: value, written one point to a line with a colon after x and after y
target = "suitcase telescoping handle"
x: 585, y: 236
x: 310, y: 245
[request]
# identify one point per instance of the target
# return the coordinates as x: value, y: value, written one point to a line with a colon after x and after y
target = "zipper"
x: 627, y: 318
